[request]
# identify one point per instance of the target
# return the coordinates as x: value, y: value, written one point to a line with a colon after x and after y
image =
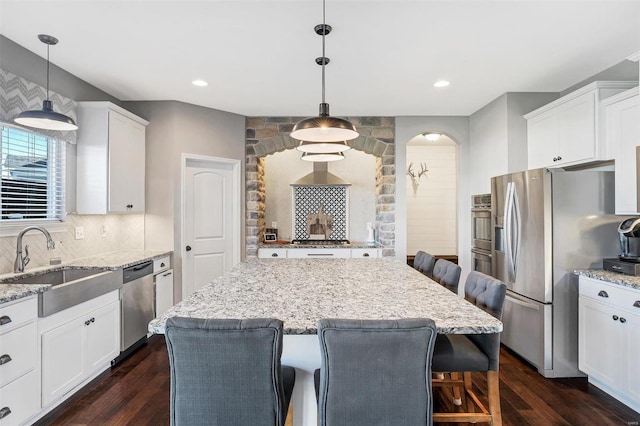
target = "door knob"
x: 188, y: 248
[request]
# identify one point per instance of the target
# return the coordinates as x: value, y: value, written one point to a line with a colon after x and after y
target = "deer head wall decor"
x: 415, y: 176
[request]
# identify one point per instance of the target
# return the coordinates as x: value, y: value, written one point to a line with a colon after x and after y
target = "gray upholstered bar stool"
x: 418, y: 259
x: 227, y: 372
x: 473, y: 352
x: 375, y: 372
x: 447, y: 273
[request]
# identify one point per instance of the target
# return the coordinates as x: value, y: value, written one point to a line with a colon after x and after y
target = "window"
x: 32, y: 168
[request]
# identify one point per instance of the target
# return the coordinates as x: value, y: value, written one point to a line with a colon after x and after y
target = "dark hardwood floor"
x: 136, y: 392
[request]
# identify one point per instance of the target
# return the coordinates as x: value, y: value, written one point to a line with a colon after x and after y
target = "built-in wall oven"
x: 481, y: 233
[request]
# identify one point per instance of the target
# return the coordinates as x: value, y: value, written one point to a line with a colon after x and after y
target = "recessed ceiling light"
x: 441, y: 83
x: 432, y: 136
x: 200, y: 83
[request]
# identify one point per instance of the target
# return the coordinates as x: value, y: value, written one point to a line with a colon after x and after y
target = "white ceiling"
x: 258, y: 56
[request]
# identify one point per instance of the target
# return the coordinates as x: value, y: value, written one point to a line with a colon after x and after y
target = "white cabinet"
x: 565, y: 132
x: 19, y: 372
x: 318, y: 253
x: 609, y: 338
x: 164, y: 292
x: 110, y: 160
x: 365, y: 253
x: 622, y: 133
x: 275, y: 253
x: 77, y: 343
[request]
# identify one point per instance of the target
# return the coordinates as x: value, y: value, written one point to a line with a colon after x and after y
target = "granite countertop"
x: 113, y: 261
x: 288, y: 245
x: 302, y: 291
x: 611, y: 277
x: 10, y: 292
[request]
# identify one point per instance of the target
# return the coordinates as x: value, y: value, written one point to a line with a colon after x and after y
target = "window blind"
x: 33, y: 172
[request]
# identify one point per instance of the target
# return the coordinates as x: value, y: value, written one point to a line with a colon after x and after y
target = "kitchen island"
x: 302, y: 291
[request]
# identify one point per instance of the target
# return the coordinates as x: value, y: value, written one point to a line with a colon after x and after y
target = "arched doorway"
x: 432, y: 195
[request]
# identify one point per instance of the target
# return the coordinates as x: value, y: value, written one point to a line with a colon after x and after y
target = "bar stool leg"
x: 493, y: 385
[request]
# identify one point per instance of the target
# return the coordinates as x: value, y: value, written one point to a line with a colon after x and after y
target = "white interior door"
x: 211, y: 220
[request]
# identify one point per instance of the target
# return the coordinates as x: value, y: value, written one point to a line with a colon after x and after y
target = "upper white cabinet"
x: 622, y: 133
x: 111, y: 159
x: 565, y: 132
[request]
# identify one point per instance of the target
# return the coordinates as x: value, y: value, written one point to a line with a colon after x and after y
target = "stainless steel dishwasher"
x: 137, y: 307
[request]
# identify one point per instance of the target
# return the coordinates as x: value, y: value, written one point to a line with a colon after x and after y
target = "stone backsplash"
x: 123, y: 232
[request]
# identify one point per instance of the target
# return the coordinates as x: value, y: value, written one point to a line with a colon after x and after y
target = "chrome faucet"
x: 21, y: 261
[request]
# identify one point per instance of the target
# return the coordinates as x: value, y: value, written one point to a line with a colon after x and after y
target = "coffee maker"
x: 628, y: 262
x: 629, y: 233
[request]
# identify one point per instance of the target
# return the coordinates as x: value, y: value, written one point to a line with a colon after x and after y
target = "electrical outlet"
x: 79, y: 232
x: 274, y: 225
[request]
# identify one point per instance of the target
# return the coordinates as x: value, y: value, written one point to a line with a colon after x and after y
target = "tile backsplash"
x: 121, y: 232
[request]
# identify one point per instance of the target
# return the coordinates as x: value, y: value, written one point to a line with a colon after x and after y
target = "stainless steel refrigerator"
x: 547, y: 224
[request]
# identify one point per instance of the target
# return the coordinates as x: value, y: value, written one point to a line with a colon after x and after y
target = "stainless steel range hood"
x: 320, y: 177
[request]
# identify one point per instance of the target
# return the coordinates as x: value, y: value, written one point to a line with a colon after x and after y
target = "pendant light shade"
x: 324, y: 128
x: 323, y: 147
x: 325, y: 157
x: 46, y: 118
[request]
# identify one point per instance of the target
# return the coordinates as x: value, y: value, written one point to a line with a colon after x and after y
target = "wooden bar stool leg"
x: 493, y: 385
x: 468, y: 384
x: 457, y: 399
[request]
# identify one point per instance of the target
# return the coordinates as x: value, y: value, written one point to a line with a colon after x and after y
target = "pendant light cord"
x: 48, y: 46
x: 324, y: 60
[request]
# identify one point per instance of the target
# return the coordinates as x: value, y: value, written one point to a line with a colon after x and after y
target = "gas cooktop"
x: 321, y: 242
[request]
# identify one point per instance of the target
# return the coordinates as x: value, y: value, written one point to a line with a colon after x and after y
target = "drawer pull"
x: 366, y: 255
x: 623, y: 320
x: 162, y: 265
x: 274, y: 254
x: 319, y: 254
x: 615, y: 318
x: 5, y: 412
x: 5, y: 359
x: 637, y: 304
x: 603, y: 293
x: 5, y: 320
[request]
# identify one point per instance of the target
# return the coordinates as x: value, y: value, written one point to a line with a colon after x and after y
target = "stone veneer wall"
x: 268, y: 135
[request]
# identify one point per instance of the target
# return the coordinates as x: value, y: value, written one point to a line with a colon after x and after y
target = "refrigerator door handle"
x: 516, y: 224
x: 522, y: 303
x: 508, y: 229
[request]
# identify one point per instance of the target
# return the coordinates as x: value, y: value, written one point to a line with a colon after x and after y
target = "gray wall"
x: 176, y: 128
x: 20, y: 61
x: 457, y: 128
x: 622, y: 71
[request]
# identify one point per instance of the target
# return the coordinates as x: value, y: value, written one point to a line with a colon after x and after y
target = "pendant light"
x: 324, y: 157
x: 46, y: 118
x: 323, y: 128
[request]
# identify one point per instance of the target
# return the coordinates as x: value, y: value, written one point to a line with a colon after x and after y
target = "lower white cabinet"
x: 318, y: 253
x: 164, y: 292
x: 19, y: 361
x: 275, y: 253
x: 609, y: 338
x: 77, y: 343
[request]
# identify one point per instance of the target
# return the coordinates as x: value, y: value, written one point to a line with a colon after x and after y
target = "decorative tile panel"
x: 307, y: 200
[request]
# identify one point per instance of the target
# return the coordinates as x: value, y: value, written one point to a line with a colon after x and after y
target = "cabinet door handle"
x: 188, y: 248
x: 5, y: 359
x: 555, y: 159
x: 129, y: 206
x: 274, y: 254
x: 615, y: 317
x: 5, y: 320
x: 5, y: 412
x: 603, y: 293
x: 623, y: 320
x: 636, y: 304
x: 167, y: 274
x: 92, y: 320
x: 87, y: 322
x: 559, y: 158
